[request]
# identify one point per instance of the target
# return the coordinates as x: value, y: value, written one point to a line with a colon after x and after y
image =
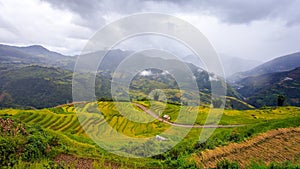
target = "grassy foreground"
x: 55, y: 131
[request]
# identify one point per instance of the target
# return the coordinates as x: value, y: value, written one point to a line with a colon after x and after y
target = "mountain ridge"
x: 279, y: 64
x: 263, y: 90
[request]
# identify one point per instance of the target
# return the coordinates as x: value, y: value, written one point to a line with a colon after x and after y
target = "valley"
x: 149, y: 84
x: 38, y: 95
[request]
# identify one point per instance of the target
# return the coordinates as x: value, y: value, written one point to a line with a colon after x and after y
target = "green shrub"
x: 36, y: 144
x: 35, y: 148
x: 284, y: 165
x: 53, y: 165
x: 7, y: 152
x: 225, y: 164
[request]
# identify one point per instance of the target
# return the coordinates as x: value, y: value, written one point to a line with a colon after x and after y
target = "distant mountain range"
x: 262, y: 85
x: 263, y: 90
x: 280, y: 64
x: 34, y: 55
x: 34, y: 76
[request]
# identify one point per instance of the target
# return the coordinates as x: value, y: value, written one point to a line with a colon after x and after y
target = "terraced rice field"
x: 73, y: 123
x: 132, y: 121
x: 95, y: 123
x: 276, y: 145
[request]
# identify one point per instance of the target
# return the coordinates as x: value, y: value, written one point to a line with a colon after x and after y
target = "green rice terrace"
x: 57, y: 137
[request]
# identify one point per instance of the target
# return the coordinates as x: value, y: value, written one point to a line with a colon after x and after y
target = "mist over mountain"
x: 231, y: 65
x: 280, y: 64
x: 51, y: 72
x: 40, y: 73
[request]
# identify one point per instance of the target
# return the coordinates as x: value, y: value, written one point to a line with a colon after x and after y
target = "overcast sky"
x: 252, y: 29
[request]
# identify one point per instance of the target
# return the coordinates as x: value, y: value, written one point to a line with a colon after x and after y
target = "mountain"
x: 40, y: 87
x: 41, y: 51
x: 194, y: 60
x: 34, y: 76
x: 280, y: 64
x: 35, y: 54
x: 263, y: 90
x: 38, y: 55
x: 34, y: 86
x: 151, y: 79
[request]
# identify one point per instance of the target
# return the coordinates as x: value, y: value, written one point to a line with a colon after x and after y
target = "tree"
x: 217, y: 103
x: 156, y: 96
x: 280, y: 100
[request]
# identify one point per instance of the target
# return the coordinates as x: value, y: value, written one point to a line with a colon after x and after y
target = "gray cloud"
x: 90, y: 13
x: 239, y: 11
x: 84, y: 8
x: 261, y: 29
x: 229, y: 11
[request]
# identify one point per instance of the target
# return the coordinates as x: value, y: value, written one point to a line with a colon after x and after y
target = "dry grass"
x: 273, y: 146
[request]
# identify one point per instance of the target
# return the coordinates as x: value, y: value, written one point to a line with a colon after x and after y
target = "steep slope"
x: 264, y: 90
x: 261, y: 147
x: 39, y: 87
x: 34, y: 86
x: 279, y: 64
x: 23, y: 84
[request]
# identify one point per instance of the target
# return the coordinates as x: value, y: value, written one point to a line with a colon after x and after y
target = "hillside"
x: 263, y: 90
x: 40, y: 87
x: 60, y: 128
x: 26, y: 83
x: 34, y: 86
x: 259, y: 148
x: 34, y: 54
x: 280, y: 64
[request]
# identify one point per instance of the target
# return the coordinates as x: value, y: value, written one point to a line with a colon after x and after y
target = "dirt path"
x: 273, y: 146
x: 182, y: 125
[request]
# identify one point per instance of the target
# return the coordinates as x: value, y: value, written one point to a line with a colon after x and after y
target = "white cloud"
x: 253, y: 29
x: 146, y: 73
x: 259, y: 40
x: 35, y: 22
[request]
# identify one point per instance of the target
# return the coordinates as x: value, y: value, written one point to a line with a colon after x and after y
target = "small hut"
x: 166, y: 117
x: 160, y: 138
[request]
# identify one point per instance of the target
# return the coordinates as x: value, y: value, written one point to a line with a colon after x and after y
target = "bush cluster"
x: 29, y: 145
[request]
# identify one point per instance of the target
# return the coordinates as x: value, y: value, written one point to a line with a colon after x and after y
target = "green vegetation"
x: 26, y: 143
x: 225, y: 164
x: 31, y: 86
x: 281, y: 88
x: 275, y: 165
x: 60, y: 129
